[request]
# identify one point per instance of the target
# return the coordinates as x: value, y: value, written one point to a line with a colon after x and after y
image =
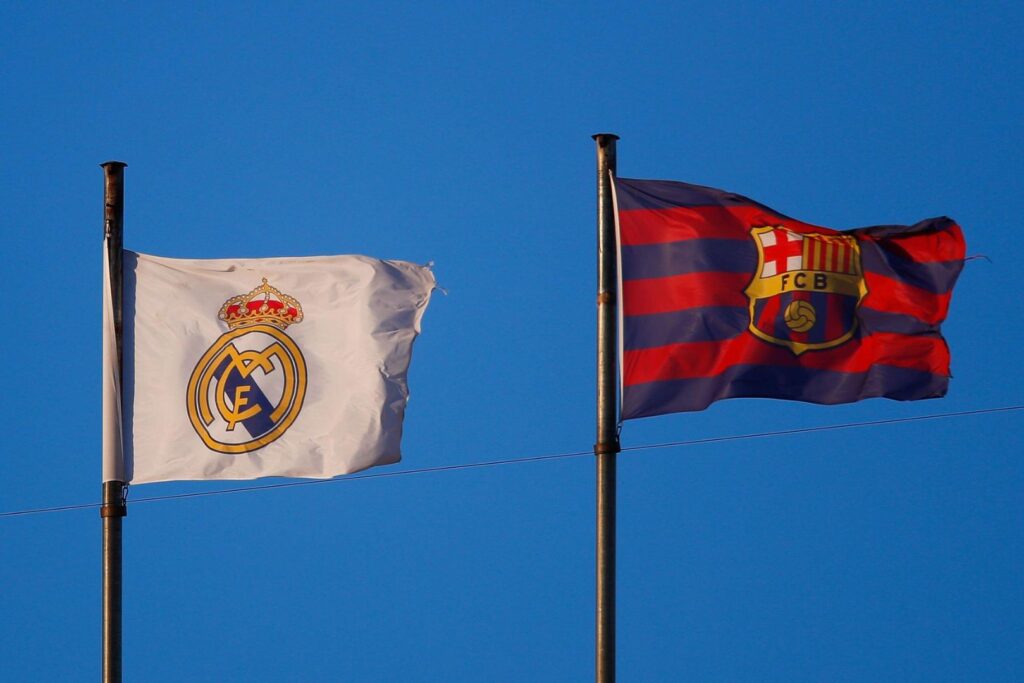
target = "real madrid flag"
x: 238, y: 369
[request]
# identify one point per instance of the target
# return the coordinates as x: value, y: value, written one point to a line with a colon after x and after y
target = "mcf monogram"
x: 247, y: 388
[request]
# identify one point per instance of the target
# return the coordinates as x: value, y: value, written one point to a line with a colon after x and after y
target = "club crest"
x: 806, y: 290
x: 247, y: 389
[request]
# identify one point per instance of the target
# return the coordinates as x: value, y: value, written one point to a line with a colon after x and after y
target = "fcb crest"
x: 247, y: 389
x: 806, y: 290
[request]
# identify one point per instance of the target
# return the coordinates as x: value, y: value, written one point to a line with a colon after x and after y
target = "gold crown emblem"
x: 272, y: 308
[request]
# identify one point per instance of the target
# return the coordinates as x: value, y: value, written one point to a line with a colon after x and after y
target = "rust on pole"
x: 607, y: 445
x: 113, y: 508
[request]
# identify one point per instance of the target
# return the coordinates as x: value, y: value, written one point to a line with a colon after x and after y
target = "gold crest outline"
x: 201, y: 377
x: 755, y: 291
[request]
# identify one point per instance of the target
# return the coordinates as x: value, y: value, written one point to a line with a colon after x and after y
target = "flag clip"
x: 119, y: 510
x: 603, y: 447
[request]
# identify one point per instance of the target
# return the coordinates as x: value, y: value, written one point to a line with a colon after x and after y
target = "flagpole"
x: 607, y: 445
x: 114, y: 507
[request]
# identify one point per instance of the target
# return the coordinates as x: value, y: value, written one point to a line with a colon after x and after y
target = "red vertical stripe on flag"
x: 833, y: 316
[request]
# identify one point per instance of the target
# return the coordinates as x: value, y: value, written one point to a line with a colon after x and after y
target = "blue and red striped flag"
x: 723, y: 297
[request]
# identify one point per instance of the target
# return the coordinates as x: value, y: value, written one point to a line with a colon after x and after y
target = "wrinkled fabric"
x: 359, y: 318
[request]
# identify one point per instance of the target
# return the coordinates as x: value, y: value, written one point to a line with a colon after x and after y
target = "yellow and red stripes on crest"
x: 831, y: 253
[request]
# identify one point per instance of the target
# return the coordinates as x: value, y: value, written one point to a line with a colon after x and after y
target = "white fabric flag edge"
x: 113, y: 450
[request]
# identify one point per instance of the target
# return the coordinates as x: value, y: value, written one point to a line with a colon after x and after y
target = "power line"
x: 533, y: 458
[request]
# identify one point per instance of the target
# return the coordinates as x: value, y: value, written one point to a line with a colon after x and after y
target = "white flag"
x: 238, y: 369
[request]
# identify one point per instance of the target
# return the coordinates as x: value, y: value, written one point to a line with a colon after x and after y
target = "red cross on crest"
x: 780, y: 247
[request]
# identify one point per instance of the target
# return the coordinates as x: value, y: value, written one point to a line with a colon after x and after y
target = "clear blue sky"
x: 460, y: 133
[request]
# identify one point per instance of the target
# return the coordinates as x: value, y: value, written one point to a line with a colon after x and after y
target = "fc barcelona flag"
x: 723, y: 297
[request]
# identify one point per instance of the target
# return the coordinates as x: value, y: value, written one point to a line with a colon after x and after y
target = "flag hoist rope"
x: 114, y: 507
